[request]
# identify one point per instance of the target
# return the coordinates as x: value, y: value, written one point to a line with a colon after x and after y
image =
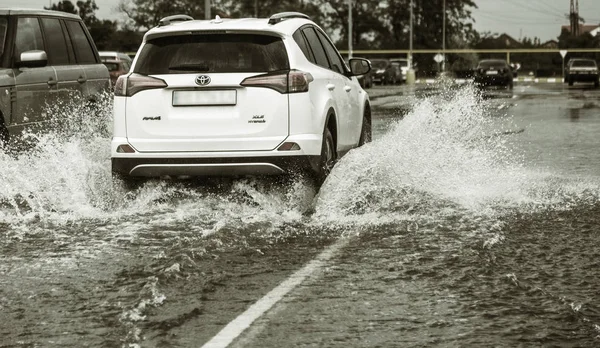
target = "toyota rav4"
x: 229, y: 97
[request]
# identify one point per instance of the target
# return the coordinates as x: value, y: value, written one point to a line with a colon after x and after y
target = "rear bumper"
x: 583, y: 77
x: 492, y: 80
x: 215, y: 166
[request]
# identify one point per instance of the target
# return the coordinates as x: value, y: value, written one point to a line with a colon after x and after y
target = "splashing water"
x: 447, y: 154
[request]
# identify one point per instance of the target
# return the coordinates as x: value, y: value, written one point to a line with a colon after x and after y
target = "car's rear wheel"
x: 328, y: 157
x: 366, y: 133
x: 4, y: 136
x: 570, y: 82
x: 596, y: 84
x: 128, y: 182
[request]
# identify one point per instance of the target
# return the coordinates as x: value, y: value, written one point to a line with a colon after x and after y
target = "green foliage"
x: 63, y: 6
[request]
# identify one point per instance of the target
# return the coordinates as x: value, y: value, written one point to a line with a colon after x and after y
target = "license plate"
x: 206, y: 98
x: 491, y: 72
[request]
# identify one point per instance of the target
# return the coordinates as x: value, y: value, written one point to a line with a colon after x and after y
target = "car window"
x: 301, y: 41
x: 29, y: 36
x: 491, y: 63
x: 317, y: 49
x: 379, y: 64
x: 57, y: 51
x: 584, y: 64
x: 3, y: 26
x: 83, y: 50
x: 111, y: 66
x: 212, y: 53
x: 337, y: 64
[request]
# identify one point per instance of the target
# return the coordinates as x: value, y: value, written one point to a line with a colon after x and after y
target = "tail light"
x: 293, y: 81
x: 127, y: 86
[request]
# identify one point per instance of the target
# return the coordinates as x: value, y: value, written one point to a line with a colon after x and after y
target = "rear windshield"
x: 492, y: 63
x: 379, y: 64
x: 584, y: 64
x: 112, y: 66
x: 212, y: 53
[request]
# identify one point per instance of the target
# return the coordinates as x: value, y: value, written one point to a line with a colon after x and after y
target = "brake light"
x: 127, y: 86
x: 293, y: 81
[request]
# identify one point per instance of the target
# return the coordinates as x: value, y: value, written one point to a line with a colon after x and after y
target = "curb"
x: 519, y: 79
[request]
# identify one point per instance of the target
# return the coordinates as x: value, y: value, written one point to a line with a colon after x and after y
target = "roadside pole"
x: 349, y: 29
x: 207, y: 9
x: 410, y: 73
x: 563, y: 54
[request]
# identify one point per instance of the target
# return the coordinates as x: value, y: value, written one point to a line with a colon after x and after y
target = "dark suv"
x: 495, y: 73
x: 46, y: 58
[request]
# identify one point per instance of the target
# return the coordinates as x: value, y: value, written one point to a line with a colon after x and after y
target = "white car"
x: 230, y: 97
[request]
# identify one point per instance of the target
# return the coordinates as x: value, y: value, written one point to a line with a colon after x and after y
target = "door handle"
x: 331, y: 86
x: 52, y: 82
x: 347, y: 88
x: 81, y: 79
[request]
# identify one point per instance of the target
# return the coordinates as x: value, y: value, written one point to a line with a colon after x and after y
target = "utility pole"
x: 574, y: 17
x: 410, y: 73
x: 207, y: 9
x: 349, y: 29
x: 410, y: 38
x: 444, y: 37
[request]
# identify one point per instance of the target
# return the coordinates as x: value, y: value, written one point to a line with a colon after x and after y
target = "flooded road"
x: 470, y: 220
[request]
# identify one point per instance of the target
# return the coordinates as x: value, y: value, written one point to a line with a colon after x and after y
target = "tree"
x: 145, y: 14
x: 87, y: 11
x: 63, y: 6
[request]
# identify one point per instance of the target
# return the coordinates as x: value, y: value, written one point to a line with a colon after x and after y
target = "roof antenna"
x: 217, y: 20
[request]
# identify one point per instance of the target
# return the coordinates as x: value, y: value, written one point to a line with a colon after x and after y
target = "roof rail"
x: 280, y: 17
x: 175, y: 18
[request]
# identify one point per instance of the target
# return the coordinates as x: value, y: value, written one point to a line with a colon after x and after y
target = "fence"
x: 540, y: 62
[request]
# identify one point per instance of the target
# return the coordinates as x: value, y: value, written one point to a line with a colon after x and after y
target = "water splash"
x: 447, y: 155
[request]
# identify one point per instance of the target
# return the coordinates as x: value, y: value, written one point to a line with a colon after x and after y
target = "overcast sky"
x: 517, y: 18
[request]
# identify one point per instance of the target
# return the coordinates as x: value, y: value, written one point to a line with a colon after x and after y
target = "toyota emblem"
x: 203, y: 80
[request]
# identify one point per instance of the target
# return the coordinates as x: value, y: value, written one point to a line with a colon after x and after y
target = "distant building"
x: 592, y: 29
x: 501, y: 41
x: 550, y: 44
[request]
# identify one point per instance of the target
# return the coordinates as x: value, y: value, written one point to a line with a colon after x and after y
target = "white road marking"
x: 236, y: 327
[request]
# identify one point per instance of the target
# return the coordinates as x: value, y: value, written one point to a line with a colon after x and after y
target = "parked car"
x: 493, y: 72
x: 403, y: 63
x: 237, y: 97
x: 582, y: 70
x: 116, y: 68
x: 393, y: 73
x: 379, y: 67
x: 46, y: 58
x: 113, y: 55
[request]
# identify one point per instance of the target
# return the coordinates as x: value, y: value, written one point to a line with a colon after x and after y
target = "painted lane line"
x: 236, y: 327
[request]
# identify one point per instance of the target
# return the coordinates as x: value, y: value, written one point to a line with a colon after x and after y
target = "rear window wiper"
x: 199, y: 67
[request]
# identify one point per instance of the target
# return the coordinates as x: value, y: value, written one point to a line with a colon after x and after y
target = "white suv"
x: 237, y: 97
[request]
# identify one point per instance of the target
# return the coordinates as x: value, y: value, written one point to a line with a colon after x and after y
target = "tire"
x: 596, y: 84
x: 366, y: 132
x: 4, y: 137
x: 328, y: 158
x: 394, y: 80
x: 129, y: 183
x: 570, y: 81
x: 509, y: 86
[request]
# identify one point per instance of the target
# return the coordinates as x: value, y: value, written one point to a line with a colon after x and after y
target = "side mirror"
x: 359, y: 66
x: 32, y: 59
